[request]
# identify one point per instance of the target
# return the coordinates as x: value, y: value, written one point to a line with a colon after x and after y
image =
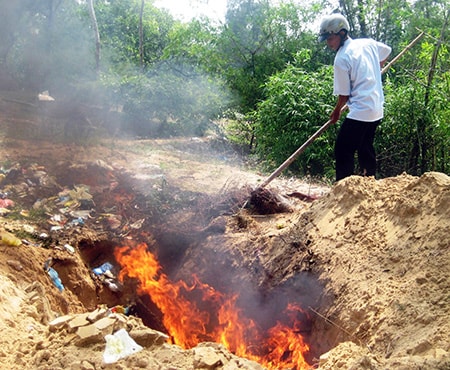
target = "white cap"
x: 332, y: 24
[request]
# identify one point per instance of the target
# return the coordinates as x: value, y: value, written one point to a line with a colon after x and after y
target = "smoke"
x: 268, y: 306
x: 172, y: 100
x: 230, y: 274
x: 49, y: 46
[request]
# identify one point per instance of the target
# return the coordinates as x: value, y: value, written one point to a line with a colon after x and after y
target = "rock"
x: 77, y: 321
x: 59, y: 322
x: 44, y: 356
x: 87, y: 335
x: 105, y: 325
x: 143, y: 363
x: 420, y: 347
x: 206, y: 358
x: 15, y: 265
x: 121, y: 321
x: 82, y: 365
x: 238, y: 364
x: 147, y: 337
x: 97, y: 314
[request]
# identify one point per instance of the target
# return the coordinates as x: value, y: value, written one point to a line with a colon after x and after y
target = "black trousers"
x: 355, y: 136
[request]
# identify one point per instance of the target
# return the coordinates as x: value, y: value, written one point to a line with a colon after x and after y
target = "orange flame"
x: 218, y: 320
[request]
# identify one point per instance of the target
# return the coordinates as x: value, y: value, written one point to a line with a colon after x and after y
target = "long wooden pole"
x: 313, y: 137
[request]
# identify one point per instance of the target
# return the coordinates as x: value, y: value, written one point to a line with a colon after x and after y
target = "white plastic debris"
x: 118, y: 346
x: 69, y: 248
x: 45, y: 96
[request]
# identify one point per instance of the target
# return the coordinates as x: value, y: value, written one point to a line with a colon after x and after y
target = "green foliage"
x: 44, y: 44
x: 298, y: 103
x: 408, y: 121
x: 394, y: 145
x: 172, y: 94
x: 163, y: 103
x: 415, y: 134
x: 119, y: 31
x: 257, y: 41
x: 194, y: 44
x: 239, y: 130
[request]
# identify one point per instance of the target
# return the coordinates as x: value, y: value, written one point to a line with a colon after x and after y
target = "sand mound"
x: 383, y: 248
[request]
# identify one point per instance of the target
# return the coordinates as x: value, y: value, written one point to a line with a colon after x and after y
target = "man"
x: 357, y: 83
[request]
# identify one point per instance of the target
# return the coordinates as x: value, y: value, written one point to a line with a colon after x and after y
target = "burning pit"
x: 209, y: 292
x: 180, y: 274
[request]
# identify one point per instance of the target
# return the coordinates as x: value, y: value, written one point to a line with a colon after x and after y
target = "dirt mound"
x: 382, y: 250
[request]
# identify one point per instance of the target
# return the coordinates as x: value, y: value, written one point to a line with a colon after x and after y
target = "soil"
x: 366, y: 259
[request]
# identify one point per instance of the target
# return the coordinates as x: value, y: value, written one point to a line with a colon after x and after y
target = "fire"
x: 198, y: 313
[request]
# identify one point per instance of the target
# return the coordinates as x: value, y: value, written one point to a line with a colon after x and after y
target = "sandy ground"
x: 375, y: 253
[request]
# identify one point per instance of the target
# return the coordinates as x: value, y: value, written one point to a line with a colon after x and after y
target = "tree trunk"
x: 141, y: 35
x: 362, y: 18
x: 424, y: 123
x: 96, y: 35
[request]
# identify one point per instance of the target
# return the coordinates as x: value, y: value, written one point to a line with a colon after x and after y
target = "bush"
x: 414, y: 136
x: 298, y: 102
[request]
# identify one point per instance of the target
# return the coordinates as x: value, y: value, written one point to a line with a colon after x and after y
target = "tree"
x: 43, y: 41
x: 158, y: 69
x: 417, y: 105
x: 141, y: 34
x: 382, y: 20
x: 173, y: 77
x: 96, y: 34
x: 258, y: 40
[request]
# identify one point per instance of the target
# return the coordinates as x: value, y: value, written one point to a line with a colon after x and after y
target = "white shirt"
x: 357, y: 74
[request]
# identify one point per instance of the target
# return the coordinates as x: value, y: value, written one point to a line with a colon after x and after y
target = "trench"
x: 263, y: 305
x: 183, y: 247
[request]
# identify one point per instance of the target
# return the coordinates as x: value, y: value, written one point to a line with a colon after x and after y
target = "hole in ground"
x: 266, y: 307
x: 178, y: 241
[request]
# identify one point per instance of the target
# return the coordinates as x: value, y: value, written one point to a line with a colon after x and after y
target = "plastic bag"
x: 103, y: 268
x: 55, y: 278
x: 118, y: 346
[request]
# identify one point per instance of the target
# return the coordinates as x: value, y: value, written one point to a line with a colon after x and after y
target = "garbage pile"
x: 53, y: 213
x: 49, y: 207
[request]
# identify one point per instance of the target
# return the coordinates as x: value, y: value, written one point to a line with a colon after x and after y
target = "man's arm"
x: 383, y: 52
x: 336, y: 114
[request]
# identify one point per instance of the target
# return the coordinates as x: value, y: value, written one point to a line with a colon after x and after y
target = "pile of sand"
x: 383, y: 252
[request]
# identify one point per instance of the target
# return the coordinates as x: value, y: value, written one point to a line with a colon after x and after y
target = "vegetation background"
x: 259, y: 77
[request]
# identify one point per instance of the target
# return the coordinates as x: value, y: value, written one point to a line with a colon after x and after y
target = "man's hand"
x: 335, y: 115
x: 339, y: 108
